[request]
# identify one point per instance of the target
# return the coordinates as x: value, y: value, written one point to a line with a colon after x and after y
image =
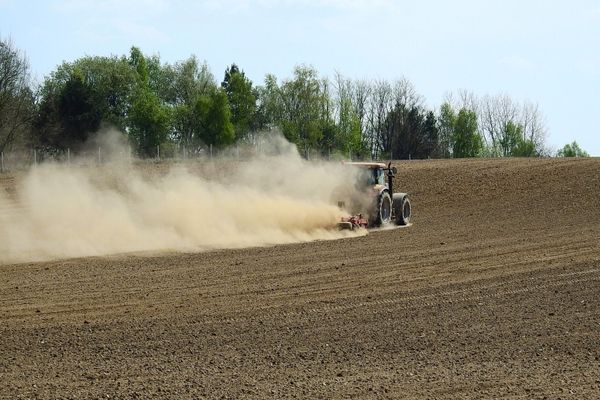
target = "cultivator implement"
x: 353, y: 222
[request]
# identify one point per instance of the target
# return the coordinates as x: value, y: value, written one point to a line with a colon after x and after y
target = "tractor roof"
x: 370, y: 165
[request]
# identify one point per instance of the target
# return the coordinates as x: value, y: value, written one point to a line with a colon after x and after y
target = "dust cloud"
x: 63, y: 211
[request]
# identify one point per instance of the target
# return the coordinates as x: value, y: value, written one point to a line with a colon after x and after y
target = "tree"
x: 511, y: 136
x: 269, y: 106
x: 430, y: 135
x: 242, y: 100
x: 139, y: 64
x: 446, y: 124
x: 467, y: 142
x: 16, y: 97
x: 360, y: 93
x: 78, y: 96
x: 414, y: 132
x: 191, y: 79
x: 304, y: 103
x: 191, y: 83
x: 214, y: 116
x: 500, y: 116
x: 404, y: 92
x: 378, y: 132
x: 79, y: 112
x: 149, y: 122
x: 514, y: 144
x: 345, y: 133
x: 572, y: 150
x: 534, y: 128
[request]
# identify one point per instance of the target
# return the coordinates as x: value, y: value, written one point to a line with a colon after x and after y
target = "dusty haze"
x: 62, y: 211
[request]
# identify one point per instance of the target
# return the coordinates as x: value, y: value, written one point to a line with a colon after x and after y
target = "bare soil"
x: 493, y: 292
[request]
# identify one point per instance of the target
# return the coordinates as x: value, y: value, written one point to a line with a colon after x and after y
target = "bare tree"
x: 343, y: 93
x: 16, y: 98
x: 534, y: 126
x: 496, y: 112
x: 405, y: 93
x: 380, y: 104
x: 463, y: 99
x: 361, y: 91
x: 499, y: 112
x: 468, y: 100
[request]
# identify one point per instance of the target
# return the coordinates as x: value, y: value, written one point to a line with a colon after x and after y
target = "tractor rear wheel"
x: 382, y: 213
x: 402, y: 210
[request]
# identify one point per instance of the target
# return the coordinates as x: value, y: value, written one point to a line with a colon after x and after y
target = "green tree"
x: 526, y: 148
x: 467, y: 141
x: 430, y: 134
x: 344, y: 134
x: 16, y: 97
x: 190, y: 80
x: 103, y: 85
x: 269, y: 108
x: 186, y: 124
x: 79, y: 110
x: 446, y: 124
x: 572, y: 150
x: 305, y: 108
x: 513, y: 144
x: 413, y: 132
x: 350, y: 137
x: 149, y: 119
x: 192, y: 85
x: 214, y: 118
x: 241, y: 98
x: 511, y: 128
x: 512, y: 135
x: 137, y: 60
x: 150, y: 122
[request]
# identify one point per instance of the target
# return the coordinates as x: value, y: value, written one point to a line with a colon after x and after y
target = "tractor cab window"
x: 366, y: 178
x: 370, y: 177
x: 379, y: 176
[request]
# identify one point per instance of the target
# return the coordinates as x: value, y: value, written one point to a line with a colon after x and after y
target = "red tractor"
x: 374, y: 198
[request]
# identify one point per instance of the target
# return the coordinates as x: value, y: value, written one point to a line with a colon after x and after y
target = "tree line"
x: 164, y: 106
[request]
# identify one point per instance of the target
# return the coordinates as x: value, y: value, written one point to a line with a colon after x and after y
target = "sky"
x: 543, y: 52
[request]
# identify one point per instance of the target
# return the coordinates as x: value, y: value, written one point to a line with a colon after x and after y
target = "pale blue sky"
x: 545, y: 52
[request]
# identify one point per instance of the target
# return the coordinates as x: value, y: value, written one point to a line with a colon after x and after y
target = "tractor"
x: 377, y: 203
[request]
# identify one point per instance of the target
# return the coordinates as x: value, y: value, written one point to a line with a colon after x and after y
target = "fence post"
x: 158, y: 151
x: 99, y: 155
x: 68, y: 156
x: 211, y: 151
x: 34, y: 157
x: 1, y: 161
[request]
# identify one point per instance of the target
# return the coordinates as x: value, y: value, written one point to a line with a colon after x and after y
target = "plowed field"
x: 493, y: 292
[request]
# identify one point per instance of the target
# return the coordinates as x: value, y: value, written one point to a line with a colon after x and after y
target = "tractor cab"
x: 370, y: 175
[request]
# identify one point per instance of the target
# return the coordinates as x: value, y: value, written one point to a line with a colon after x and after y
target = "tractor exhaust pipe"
x: 391, y: 173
